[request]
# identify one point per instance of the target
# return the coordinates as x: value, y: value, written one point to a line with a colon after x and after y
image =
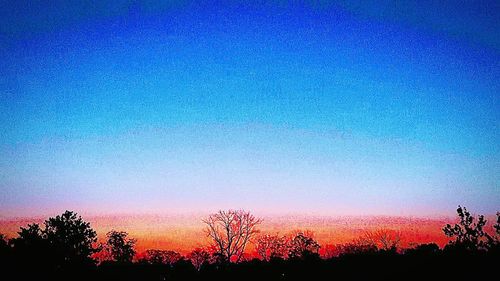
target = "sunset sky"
x: 303, y: 107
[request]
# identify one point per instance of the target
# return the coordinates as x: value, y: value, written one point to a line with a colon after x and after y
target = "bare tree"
x: 198, y: 257
x: 231, y: 231
x: 383, y: 239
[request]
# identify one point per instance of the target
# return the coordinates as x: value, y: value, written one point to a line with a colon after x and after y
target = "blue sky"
x: 323, y: 107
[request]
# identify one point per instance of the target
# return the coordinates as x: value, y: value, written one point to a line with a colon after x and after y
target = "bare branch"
x: 231, y: 231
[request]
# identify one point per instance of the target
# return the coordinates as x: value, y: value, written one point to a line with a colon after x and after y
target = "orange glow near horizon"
x: 183, y: 233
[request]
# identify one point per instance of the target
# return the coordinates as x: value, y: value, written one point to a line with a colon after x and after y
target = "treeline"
x: 65, y: 247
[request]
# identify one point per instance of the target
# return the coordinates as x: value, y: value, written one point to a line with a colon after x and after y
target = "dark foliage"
x: 160, y: 257
x: 63, y: 248
x: 272, y: 246
x: 119, y: 247
x: 469, y: 235
x: 303, y: 246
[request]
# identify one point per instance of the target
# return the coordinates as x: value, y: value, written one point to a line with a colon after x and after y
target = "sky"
x: 322, y: 107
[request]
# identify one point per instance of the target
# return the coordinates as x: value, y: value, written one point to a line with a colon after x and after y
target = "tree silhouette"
x: 303, y: 245
x: 71, y: 236
x: 230, y: 232
x: 41, y: 253
x: 60, y: 250
x: 120, y: 247
x: 198, y: 257
x: 469, y: 235
x: 65, y: 240
x: 271, y: 246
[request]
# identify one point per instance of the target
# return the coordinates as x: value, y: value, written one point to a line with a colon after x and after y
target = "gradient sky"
x: 302, y: 107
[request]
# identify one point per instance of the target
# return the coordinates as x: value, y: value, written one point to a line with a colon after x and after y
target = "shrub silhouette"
x: 423, y: 249
x: 356, y: 247
x: 469, y: 235
x: 493, y: 243
x: 165, y: 257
